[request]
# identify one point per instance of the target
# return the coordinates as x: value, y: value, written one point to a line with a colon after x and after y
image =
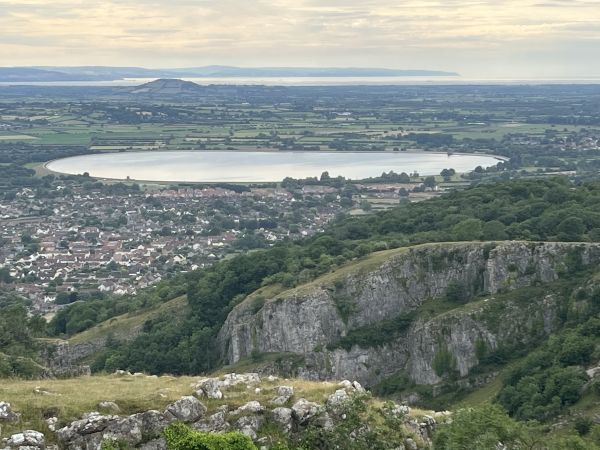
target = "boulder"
x: 345, y: 384
x: 338, y: 398
x: 28, y: 439
x: 249, y: 425
x: 410, y: 444
x: 7, y: 414
x: 303, y: 411
x: 52, y: 422
x: 252, y: 407
x: 400, y: 410
x: 210, y: 388
x: 186, y: 409
x: 232, y: 379
x: 283, y: 417
x: 357, y: 387
x: 213, y: 424
x: 94, y: 428
x: 284, y: 393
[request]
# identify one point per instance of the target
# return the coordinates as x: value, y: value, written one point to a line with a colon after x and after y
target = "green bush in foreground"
x: 182, y: 437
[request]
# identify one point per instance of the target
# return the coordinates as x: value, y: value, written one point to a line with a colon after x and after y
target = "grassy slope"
x: 69, y: 399
x: 129, y: 324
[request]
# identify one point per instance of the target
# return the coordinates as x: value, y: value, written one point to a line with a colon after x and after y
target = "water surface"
x: 231, y: 166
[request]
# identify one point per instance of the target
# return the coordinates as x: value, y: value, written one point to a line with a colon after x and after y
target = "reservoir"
x: 255, y: 166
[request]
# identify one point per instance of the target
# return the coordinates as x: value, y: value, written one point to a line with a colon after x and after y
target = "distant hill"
x: 166, y: 86
x: 104, y: 73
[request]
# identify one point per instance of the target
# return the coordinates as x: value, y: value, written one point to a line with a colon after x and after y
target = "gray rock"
x: 358, y: 387
x: 213, y: 424
x: 52, y: 422
x: 400, y: 410
x: 284, y: 393
x: 410, y: 444
x: 303, y: 411
x: 252, y: 407
x: 210, y: 388
x: 337, y: 399
x: 7, y: 414
x: 155, y: 444
x: 249, y: 425
x: 283, y: 417
x: 232, y: 379
x: 28, y: 439
x: 186, y: 409
x: 302, y: 320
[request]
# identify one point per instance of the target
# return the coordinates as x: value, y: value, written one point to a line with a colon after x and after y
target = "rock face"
x: 308, y: 321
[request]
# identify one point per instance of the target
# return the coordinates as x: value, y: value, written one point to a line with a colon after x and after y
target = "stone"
x: 410, y: 444
x: 303, y: 411
x: 52, y: 422
x: 29, y: 439
x: 213, y: 424
x: 210, y: 388
x: 400, y: 410
x: 122, y: 373
x: 108, y: 405
x: 283, y: 417
x: 284, y: 393
x: 7, y: 414
x: 337, y: 399
x: 232, y: 379
x: 155, y: 444
x: 186, y: 409
x: 345, y: 384
x: 358, y: 387
x: 272, y: 378
x: 257, y: 391
x: 252, y: 407
x: 249, y: 425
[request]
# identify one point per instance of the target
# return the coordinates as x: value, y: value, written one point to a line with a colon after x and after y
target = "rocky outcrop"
x: 310, y: 320
x: 7, y: 414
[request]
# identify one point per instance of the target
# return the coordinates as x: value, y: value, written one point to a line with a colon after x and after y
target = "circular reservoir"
x: 239, y: 166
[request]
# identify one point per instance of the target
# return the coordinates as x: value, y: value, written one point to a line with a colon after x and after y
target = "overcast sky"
x: 479, y: 39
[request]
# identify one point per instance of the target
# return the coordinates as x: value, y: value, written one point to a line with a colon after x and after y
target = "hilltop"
x: 167, y: 86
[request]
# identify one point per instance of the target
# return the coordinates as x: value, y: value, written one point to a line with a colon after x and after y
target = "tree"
x: 429, y: 182
x: 494, y: 230
x: 468, y: 230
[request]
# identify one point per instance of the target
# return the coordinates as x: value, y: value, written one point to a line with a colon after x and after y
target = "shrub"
x: 182, y: 437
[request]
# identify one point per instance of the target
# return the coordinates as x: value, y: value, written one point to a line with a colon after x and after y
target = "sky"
x: 548, y: 39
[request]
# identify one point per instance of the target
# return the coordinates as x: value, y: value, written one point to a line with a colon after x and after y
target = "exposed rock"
x: 7, y: 414
x: 400, y: 410
x: 303, y: 411
x: 214, y: 423
x: 52, y: 422
x: 209, y: 388
x: 122, y: 373
x: 155, y: 444
x: 94, y: 428
x: 232, y: 379
x: 593, y: 372
x: 252, y: 407
x: 410, y: 444
x: 303, y: 320
x: 187, y: 409
x: 249, y: 425
x: 284, y: 393
x: 108, y: 405
x: 338, y: 398
x: 358, y: 387
x: 346, y: 384
x: 283, y: 417
x: 29, y: 440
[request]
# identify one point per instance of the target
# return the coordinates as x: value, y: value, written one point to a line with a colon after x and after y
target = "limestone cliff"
x: 311, y: 319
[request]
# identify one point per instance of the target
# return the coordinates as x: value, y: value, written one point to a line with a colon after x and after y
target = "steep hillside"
x: 409, y: 311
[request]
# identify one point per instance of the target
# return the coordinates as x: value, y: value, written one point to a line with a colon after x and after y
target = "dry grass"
x: 69, y: 399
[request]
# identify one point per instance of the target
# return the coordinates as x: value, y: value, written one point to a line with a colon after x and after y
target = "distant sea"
x: 320, y: 81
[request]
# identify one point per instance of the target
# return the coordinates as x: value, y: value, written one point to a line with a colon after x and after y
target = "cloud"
x: 449, y: 34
